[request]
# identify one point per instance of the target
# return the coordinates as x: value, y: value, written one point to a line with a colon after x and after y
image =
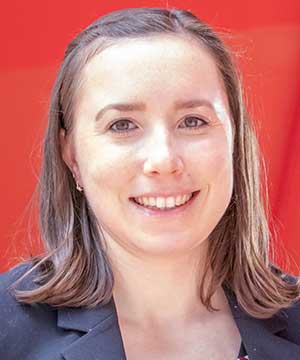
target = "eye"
x: 122, y: 125
x: 194, y: 122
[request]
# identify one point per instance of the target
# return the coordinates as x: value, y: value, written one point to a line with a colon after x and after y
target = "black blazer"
x: 43, y: 332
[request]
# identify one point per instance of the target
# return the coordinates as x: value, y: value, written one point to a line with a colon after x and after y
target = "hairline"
x: 100, y: 44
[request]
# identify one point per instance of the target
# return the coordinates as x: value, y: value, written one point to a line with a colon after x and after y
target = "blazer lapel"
x: 263, y: 338
x: 102, y: 340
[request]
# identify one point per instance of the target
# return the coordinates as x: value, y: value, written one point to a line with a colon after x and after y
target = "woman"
x: 157, y: 245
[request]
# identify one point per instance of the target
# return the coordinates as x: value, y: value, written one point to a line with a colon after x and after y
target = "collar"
x: 263, y: 338
x: 102, y: 337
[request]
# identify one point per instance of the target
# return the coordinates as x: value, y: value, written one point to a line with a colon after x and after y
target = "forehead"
x: 158, y: 65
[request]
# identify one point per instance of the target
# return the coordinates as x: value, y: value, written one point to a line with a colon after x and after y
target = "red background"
x: 265, y: 34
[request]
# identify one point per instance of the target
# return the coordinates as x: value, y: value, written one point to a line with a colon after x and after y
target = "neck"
x: 157, y: 290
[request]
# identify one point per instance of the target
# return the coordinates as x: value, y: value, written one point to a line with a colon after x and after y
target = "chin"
x: 166, y: 245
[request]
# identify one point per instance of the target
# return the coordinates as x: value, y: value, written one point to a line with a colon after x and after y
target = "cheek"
x: 212, y: 158
x: 105, y: 166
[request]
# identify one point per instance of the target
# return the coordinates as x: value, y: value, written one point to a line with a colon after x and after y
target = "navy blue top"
x: 44, y: 332
x: 243, y: 354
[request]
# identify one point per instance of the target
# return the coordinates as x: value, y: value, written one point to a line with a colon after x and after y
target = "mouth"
x: 164, y: 206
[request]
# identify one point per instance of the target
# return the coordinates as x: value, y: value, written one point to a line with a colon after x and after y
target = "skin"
x: 164, y: 150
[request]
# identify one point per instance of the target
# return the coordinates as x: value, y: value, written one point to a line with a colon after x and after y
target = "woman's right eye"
x: 122, y: 126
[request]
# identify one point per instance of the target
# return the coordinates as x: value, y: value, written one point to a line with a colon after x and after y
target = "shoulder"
x: 293, y: 280
x: 20, y: 323
x: 41, y: 331
x: 7, y: 279
x: 292, y: 313
x: 12, y: 311
x: 14, y: 273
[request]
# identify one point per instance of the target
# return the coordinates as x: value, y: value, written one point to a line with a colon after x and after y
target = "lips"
x: 164, y: 203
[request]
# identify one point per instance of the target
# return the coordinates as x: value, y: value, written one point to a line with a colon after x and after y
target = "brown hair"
x: 75, y: 270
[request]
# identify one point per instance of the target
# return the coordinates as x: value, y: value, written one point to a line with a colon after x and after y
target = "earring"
x: 78, y: 187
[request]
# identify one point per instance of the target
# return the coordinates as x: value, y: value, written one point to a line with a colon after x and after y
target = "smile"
x: 163, y: 202
x: 160, y: 205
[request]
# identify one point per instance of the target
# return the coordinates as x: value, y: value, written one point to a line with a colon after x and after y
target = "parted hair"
x: 74, y: 270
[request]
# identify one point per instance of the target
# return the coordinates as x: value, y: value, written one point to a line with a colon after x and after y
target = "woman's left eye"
x: 194, y: 122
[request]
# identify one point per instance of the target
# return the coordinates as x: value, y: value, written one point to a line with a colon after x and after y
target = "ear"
x: 68, y: 154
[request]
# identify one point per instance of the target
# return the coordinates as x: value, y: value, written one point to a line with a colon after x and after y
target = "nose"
x: 163, y: 156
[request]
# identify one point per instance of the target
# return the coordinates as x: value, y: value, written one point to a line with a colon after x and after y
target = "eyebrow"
x: 186, y: 104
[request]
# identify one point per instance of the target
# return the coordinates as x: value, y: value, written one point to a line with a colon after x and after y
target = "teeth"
x: 162, y: 203
x: 152, y: 201
x: 170, y: 202
x: 178, y: 200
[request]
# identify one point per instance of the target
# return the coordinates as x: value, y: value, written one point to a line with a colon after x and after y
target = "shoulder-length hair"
x: 75, y: 270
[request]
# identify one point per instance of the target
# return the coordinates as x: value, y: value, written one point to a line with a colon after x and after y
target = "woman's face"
x: 152, y: 125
